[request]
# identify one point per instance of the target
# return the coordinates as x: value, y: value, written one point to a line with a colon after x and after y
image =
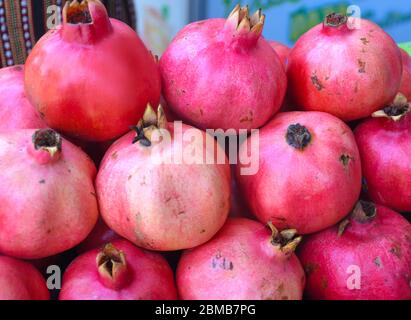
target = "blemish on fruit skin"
x: 365, y: 41
x: 378, y: 262
x: 346, y: 159
x: 396, y: 251
x: 316, y: 82
x: 324, y: 284
x: 361, y: 65
x: 42, y: 181
x: 114, y: 155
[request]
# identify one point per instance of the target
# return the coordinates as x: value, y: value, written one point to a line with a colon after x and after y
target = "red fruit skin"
x: 366, y: 77
x: 385, y: 147
x: 92, y: 81
x: 282, y: 50
x: 405, y: 88
x: 133, y: 189
x: 308, y: 190
x: 16, y: 111
x: 21, y: 281
x: 100, y: 236
x: 149, y: 278
x: 215, y: 79
x: 49, y: 203
x: 380, y: 248
x: 240, y: 263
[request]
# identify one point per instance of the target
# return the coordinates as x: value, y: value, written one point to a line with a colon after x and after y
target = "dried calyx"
x: 243, y: 21
x: 395, y: 111
x: 150, y: 123
x: 286, y: 241
x: 47, y: 140
x: 298, y: 136
x: 77, y: 12
x: 112, y: 266
x: 335, y: 20
x: 363, y: 212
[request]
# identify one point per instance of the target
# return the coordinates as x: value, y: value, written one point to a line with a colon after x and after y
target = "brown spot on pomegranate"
x: 396, y: 251
x: 42, y: 181
x: 365, y: 41
x: 114, y: 155
x: 316, y: 82
x: 362, y: 65
x: 346, y: 159
x: 378, y: 262
x: 324, y: 284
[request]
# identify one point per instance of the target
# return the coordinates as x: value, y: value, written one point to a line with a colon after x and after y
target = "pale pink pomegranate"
x: 156, y: 201
x: 245, y: 261
x: 48, y: 200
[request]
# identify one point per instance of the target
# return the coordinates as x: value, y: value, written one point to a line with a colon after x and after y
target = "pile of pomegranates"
x: 98, y: 186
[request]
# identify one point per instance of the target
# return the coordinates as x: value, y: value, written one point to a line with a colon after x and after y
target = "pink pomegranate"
x: 309, y: 176
x: 243, y: 262
x: 92, y: 77
x: 367, y: 257
x: 100, y: 236
x: 21, y: 281
x: 48, y: 200
x: 405, y: 88
x: 119, y: 271
x: 16, y: 112
x: 222, y: 74
x: 156, y: 200
x: 384, y: 144
x: 282, y: 50
x: 366, y: 77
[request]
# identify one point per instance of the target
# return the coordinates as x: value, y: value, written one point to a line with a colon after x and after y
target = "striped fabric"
x: 23, y: 22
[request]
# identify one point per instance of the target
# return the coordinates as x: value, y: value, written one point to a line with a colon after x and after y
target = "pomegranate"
x: 366, y: 77
x: 405, y: 88
x: 222, y: 74
x: 16, y: 112
x: 92, y: 77
x: 243, y: 262
x: 367, y: 257
x: 119, y: 271
x: 163, y: 205
x: 100, y: 236
x: 309, y: 175
x: 282, y: 50
x: 385, y: 144
x: 48, y: 200
x: 21, y: 281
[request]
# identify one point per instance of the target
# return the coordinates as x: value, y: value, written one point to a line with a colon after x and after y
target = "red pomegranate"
x: 282, y: 50
x: 243, y: 262
x: 367, y: 257
x: 405, y: 88
x: 98, y: 238
x: 309, y: 176
x: 385, y: 144
x: 222, y: 74
x: 21, y: 281
x: 344, y: 69
x: 16, y: 112
x: 158, y: 202
x: 119, y: 271
x: 48, y: 200
x: 92, y: 77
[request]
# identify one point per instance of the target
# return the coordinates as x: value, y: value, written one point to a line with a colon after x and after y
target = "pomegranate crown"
x: 363, y: 212
x: 112, y: 266
x: 242, y: 20
x: 396, y: 110
x: 47, y: 140
x: 150, y: 123
x: 286, y: 241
